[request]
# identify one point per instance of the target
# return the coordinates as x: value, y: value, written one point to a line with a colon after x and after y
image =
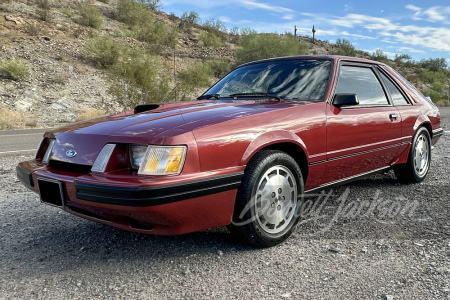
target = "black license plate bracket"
x: 51, y: 192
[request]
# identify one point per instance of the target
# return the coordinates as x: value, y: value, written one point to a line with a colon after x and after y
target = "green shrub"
x: 259, y: 46
x: 247, y: 31
x: 60, y: 78
x: 190, y: 18
x: 90, y: 16
x: 216, y: 27
x: 380, y: 56
x: 152, y: 4
x: 14, y: 69
x: 219, y: 67
x: 67, y: 11
x: 105, y: 51
x: 125, y: 31
x: 155, y: 33
x: 173, y: 17
x: 197, y: 75
x: 31, y: 29
x: 209, y: 39
x: 433, y: 94
x: 139, y: 78
x: 344, y: 47
x: 132, y: 13
x: 43, y: 4
x: 43, y: 10
x: 431, y: 76
x: 434, y: 64
x: 403, y: 59
x: 142, y: 24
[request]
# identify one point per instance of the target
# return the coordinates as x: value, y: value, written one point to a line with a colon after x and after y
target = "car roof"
x: 326, y: 57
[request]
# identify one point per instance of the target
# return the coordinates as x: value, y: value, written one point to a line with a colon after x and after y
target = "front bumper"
x: 197, y: 202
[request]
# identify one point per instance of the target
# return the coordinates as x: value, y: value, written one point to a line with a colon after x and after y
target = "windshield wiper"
x: 209, y: 96
x: 259, y: 95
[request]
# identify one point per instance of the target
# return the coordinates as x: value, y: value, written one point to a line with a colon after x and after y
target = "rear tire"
x: 268, y: 200
x: 419, y: 158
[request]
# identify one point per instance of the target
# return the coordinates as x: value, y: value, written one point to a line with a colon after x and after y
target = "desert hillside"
x: 63, y: 61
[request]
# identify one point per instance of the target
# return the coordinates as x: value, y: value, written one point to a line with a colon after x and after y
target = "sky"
x: 420, y: 29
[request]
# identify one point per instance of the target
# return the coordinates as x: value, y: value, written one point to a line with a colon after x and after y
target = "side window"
x: 397, y: 96
x: 362, y: 82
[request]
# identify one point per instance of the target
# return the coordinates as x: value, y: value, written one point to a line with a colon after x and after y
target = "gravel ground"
x: 395, y: 247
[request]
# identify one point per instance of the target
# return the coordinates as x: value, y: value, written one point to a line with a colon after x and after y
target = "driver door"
x: 364, y: 137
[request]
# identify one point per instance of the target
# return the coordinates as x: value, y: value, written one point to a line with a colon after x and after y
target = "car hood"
x: 164, y: 120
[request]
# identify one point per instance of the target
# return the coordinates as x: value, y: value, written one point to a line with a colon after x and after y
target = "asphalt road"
x: 399, y: 249
x: 14, y: 142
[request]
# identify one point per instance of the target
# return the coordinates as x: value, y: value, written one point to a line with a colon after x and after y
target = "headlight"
x: 157, y: 160
x: 137, y: 153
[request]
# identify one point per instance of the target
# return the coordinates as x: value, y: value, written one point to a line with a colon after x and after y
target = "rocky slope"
x: 64, y: 84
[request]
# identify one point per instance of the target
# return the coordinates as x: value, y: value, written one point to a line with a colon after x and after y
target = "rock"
x: 186, y: 271
x: 389, y: 297
x: 62, y: 104
x: 23, y: 105
x: 286, y: 295
x: 17, y: 20
x: 364, y: 249
x: 334, y: 249
x: 219, y: 252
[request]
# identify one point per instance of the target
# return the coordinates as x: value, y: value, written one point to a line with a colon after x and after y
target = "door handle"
x: 393, y: 116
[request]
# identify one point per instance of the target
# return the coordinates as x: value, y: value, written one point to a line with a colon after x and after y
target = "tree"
x: 344, y: 47
x: 152, y: 4
x: 379, y: 55
x: 192, y: 17
x: 402, y: 58
x: 259, y: 46
x: 434, y: 64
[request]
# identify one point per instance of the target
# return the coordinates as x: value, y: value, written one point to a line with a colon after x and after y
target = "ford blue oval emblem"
x: 71, y: 153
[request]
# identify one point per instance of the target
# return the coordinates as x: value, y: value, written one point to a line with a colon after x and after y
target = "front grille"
x: 69, y: 167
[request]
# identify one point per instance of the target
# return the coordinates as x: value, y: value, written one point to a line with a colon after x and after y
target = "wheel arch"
x: 296, y: 152
x: 423, y: 121
x: 282, y: 141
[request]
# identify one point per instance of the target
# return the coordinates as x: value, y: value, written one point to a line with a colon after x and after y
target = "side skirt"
x: 350, y: 179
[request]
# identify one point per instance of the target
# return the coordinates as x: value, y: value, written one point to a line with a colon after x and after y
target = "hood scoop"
x: 145, y: 107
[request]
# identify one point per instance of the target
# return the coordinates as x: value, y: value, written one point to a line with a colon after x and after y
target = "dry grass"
x: 90, y: 113
x: 441, y: 103
x: 60, y: 78
x: 10, y: 119
x: 32, y: 29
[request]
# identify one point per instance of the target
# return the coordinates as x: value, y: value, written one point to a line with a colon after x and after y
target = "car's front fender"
x: 270, y: 138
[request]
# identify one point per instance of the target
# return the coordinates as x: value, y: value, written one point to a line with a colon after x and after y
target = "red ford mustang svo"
x: 244, y: 153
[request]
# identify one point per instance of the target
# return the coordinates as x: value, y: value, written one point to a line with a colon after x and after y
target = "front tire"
x: 419, y: 158
x: 268, y: 200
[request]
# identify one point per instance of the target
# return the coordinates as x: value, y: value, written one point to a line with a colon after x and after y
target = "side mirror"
x: 345, y: 99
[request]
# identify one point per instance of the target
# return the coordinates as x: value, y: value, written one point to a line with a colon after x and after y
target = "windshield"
x: 286, y: 79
